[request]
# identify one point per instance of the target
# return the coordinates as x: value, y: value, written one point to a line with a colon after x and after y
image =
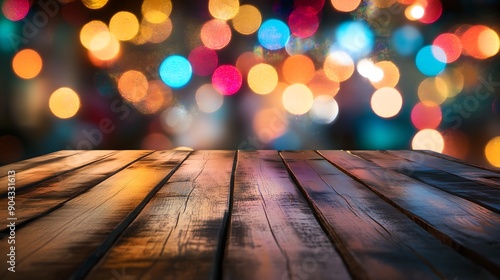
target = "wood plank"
x: 450, y: 158
x: 177, y: 234
x: 470, y: 228
x: 274, y: 234
x: 36, y: 161
x: 469, y: 172
x: 76, y: 235
x: 471, y: 190
x: 52, y: 194
x: 377, y: 240
x: 37, y: 174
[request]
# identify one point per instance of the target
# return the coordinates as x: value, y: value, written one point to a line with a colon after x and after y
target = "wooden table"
x: 251, y: 215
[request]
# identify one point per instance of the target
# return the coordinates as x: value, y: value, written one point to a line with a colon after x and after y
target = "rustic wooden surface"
x: 252, y: 215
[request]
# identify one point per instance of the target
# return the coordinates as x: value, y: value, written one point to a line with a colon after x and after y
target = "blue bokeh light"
x: 407, y: 40
x: 431, y: 60
x: 273, y: 34
x: 175, y: 71
x: 355, y: 38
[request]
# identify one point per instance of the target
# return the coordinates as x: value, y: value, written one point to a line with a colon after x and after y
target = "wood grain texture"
x: 474, y: 191
x: 36, y: 161
x: 253, y: 215
x: 471, y: 173
x: 60, y: 165
x: 377, y: 241
x: 52, y: 194
x: 471, y: 229
x: 66, y: 241
x: 177, y: 234
x: 274, y: 234
x: 453, y: 159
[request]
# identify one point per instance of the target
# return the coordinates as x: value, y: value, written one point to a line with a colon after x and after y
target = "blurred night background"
x: 229, y: 74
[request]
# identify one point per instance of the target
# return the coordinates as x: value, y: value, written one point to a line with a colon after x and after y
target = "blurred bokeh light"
x: 229, y: 74
x: 64, y: 103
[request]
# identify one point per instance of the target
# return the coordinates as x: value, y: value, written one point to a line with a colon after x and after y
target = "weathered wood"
x: 301, y: 215
x: 478, y: 193
x: 36, y: 161
x: 39, y: 173
x: 470, y: 228
x: 377, y: 241
x: 450, y: 158
x: 52, y: 194
x: 72, y: 238
x: 177, y: 234
x: 481, y: 175
x: 274, y: 234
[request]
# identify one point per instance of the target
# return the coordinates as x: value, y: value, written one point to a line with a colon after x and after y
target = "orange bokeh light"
x: 133, y: 85
x: 298, y: 69
x: 338, y: 66
x: 480, y: 42
x: 345, y: 6
x: 27, y: 64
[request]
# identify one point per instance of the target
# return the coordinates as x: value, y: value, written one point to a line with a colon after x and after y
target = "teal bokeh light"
x: 175, y: 71
x: 431, y: 60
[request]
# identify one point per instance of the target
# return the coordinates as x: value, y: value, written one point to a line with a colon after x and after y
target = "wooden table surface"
x: 251, y: 215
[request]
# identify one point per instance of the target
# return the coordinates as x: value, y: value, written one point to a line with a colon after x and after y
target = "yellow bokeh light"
x: 428, y: 139
x: 110, y: 51
x: 156, y: 11
x: 64, y: 103
x: 488, y: 43
x: 100, y: 41
x: 94, y: 4
x: 297, y: 99
x: 298, y: 69
x: 133, y: 85
x: 124, y: 25
x: 492, y: 151
x: 89, y: 32
x: 338, y: 66
x: 433, y: 89
x: 247, y: 20
x: 27, y: 64
x: 390, y: 78
x: 414, y: 12
x: 386, y: 102
x: 345, y: 6
x: 454, y: 80
x: 262, y: 78
x: 223, y: 9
